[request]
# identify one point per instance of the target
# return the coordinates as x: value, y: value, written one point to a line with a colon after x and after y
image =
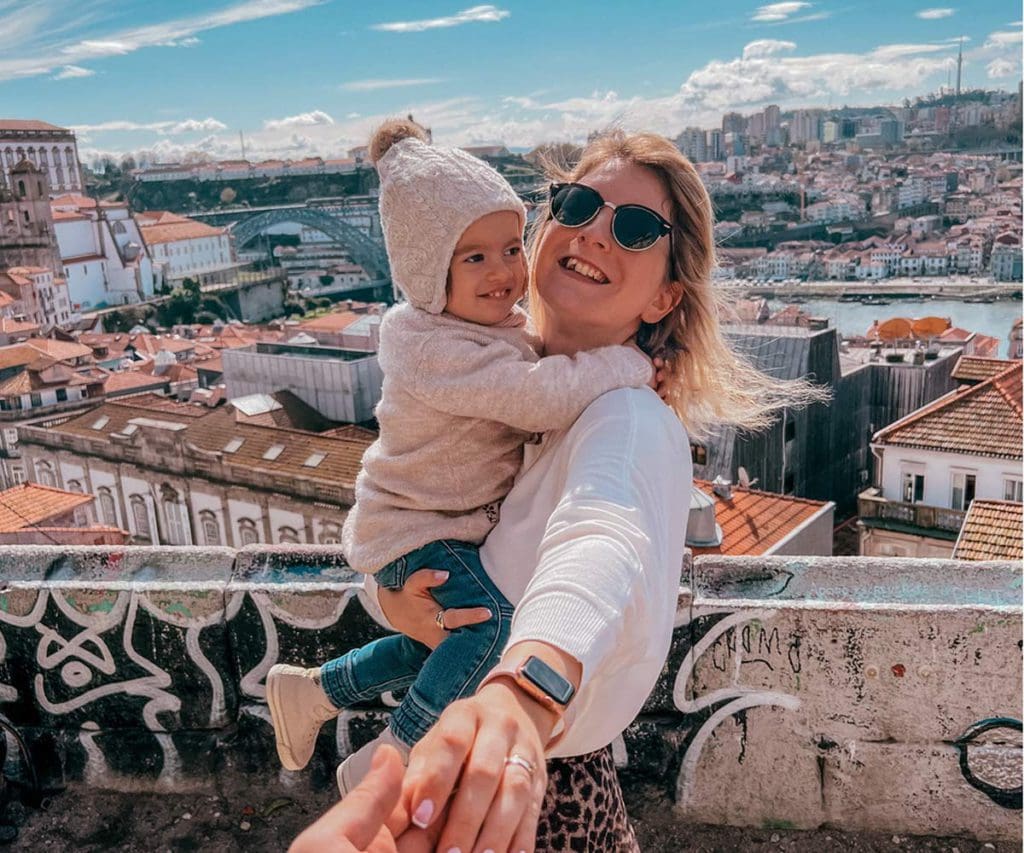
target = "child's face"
x: 488, y: 271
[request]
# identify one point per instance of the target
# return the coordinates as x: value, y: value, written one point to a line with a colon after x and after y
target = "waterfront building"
x: 234, y: 170
x: 51, y: 149
x: 1005, y: 259
x: 185, y: 248
x: 103, y: 253
x: 934, y: 462
x: 244, y: 473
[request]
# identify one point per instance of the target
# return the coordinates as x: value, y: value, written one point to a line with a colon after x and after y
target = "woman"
x: 590, y: 541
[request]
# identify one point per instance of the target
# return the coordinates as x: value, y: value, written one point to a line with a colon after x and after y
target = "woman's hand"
x: 497, y: 804
x: 660, y: 377
x: 413, y: 610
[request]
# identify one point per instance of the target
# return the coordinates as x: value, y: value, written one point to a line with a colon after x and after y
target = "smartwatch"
x: 539, y: 681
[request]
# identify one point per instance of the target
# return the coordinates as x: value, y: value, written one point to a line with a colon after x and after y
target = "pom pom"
x: 392, y: 131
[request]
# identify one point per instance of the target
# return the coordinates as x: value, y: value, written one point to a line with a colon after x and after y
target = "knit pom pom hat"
x: 429, y: 195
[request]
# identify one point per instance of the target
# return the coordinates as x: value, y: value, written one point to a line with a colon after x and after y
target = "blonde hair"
x: 709, y: 384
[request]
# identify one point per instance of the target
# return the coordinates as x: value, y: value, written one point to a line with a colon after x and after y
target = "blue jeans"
x: 435, y: 679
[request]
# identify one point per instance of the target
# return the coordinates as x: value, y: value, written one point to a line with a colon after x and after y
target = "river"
x: 852, y: 318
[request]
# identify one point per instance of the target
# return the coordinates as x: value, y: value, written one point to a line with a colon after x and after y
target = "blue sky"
x: 304, y: 77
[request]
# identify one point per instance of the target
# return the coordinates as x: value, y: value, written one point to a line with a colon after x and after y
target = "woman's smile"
x: 584, y: 269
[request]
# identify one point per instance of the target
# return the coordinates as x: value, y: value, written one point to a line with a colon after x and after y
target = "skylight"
x: 273, y: 452
x: 100, y: 422
x: 233, y: 445
x: 314, y: 460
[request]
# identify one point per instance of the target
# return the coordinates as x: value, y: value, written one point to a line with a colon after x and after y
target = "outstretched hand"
x: 367, y: 820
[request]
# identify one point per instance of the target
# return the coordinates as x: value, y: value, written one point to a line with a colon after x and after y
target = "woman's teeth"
x: 498, y: 294
x: 583, y: 268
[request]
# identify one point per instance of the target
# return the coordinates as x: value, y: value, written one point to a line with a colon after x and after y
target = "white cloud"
x: 30, y: 57
x: 69, y: 72
x: 999, y: 68
x: 374, y: 84
x: 778, y: 11
x: 767, y: 47
x: 310, y: 119
x: 935, y: 14
x: 476, y: 14
x: 164, y: 128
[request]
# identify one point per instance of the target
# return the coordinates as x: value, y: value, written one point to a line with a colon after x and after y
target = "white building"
x: 104, y: 257
x: 931, y: 464
x: 41, y: 296
x: 185, y: 248
x: 53, y: 149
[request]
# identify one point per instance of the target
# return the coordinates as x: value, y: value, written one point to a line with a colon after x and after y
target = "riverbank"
x: 952, y: 287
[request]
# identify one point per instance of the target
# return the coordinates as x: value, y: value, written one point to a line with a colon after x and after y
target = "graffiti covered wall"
x: 797, y: 693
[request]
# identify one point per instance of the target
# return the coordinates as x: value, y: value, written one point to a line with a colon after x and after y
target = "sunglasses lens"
x: 574, y: 205
x: 636, y: 228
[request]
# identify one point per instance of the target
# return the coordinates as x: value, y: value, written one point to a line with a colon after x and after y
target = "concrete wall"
x: 862, y: 694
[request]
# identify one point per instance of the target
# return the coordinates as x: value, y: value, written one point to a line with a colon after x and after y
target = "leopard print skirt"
x: 583, y: 809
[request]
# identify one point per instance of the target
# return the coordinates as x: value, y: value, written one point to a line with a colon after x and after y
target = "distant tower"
x: 241, y: 139
x: 959, y: 67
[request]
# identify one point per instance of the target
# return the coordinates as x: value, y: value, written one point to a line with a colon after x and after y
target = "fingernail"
x: 424, y: 812
x: 488, y: 850
x: 454, y: 850
x: 440, y: 576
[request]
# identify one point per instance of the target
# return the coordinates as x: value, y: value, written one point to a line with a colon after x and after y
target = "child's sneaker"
x: 353, y: 769
x: 298, y: 707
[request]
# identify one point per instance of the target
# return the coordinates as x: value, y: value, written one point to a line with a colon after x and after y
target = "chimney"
x: 722, y: 488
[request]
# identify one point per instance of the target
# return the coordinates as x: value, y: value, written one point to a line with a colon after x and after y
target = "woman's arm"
x: 600, y: 602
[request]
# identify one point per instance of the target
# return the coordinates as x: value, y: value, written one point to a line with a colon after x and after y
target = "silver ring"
x: 439, y: 620
x: 521, y: 761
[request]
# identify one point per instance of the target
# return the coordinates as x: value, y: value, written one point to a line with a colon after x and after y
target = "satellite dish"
x: 744, y: 478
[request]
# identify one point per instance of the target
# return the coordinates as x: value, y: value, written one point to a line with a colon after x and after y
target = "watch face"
x: 547, y: 680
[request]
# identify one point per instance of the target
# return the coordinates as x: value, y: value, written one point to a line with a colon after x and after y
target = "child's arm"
x: 495, y: 382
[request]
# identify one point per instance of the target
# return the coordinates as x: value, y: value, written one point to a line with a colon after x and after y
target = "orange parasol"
x: 898, y: 328
x: 929, y: 327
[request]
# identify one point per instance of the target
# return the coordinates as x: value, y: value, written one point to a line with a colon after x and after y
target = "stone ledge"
x: 798, y: 691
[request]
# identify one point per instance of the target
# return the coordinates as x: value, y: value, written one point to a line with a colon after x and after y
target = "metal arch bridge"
x: 365, y: 251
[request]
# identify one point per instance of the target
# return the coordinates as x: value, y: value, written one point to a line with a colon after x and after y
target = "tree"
x: 228, y: 195
x: 326, y: 280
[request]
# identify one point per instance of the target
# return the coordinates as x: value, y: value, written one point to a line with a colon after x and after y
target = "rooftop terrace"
x: 841, y: 695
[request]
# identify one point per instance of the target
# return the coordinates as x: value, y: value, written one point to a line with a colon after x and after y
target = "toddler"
x: 464, y: 390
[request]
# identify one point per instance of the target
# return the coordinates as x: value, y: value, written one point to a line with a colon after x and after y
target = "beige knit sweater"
x: 459, y: 401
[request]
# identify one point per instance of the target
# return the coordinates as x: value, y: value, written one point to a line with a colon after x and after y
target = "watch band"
x: 539, y: 681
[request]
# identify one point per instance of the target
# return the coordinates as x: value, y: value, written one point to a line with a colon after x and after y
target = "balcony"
x: 843, y: 694
x: 934, y: 521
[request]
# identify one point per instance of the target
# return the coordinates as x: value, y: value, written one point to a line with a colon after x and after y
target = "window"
x: 247, y: 532
x: 233, y: 445
x: 963, y: 490
x: 211, y: 527
x: 273, y: 452
x: 141, y: 516
x: 699, y: 454
x: 45, y: 475
x: 37, y: 400
x: 75, y: 486
x: 175, y: 522
x: 1012, y: 488
x: 100, y: 422
x: 314, y: 459
x: 287, y: 535
x: 108, y: 512
x: 11, y: 437
x: 62, y: 395
x: 913, y: 487
x: 330, y: 535
x: 18, y: 475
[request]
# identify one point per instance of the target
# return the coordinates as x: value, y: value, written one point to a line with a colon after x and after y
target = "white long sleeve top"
x: 590, y: 550
x: 458, y: 402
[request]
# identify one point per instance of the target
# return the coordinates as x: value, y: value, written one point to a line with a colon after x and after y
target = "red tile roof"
x: 753, y: 521
x: 30, y: 504
x: 27, y: 124
x: 992, y: 530
x: 169, y: 228
x: 973, y: 368
x: 979, y: 420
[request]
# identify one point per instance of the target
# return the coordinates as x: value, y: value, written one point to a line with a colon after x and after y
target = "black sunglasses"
x: 634, y: 226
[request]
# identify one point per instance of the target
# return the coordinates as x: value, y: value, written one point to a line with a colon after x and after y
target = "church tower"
x: 27, y: 237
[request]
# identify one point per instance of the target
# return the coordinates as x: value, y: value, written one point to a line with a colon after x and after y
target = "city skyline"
x: 312, y: 77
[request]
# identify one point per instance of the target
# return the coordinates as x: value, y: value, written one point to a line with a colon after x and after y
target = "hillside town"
x: 207, y: 373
